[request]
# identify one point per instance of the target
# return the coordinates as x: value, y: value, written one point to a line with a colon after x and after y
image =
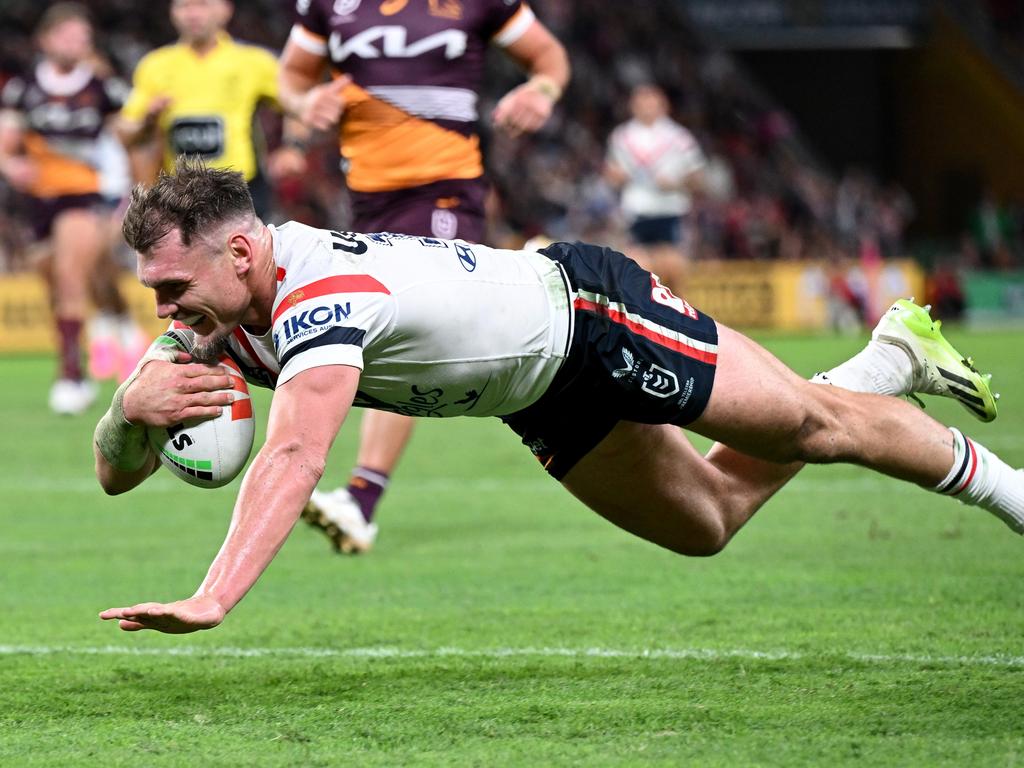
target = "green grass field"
x: 855, y: 621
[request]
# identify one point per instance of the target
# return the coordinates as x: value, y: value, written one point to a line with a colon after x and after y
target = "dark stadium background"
x: 837, y: 132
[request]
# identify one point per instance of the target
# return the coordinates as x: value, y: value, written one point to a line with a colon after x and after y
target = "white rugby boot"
x: 338, y: 515
x: 71, y: 398
x: 938, y: 368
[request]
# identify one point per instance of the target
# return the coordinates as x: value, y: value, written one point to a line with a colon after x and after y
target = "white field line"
x: 699, y: 654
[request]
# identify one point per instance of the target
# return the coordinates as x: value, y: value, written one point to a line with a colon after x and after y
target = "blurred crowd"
x: 765, y: 196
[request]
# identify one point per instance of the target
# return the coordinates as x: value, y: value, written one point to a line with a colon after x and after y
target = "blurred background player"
x: 54, y: 149
x: 407, y: 78
x: 199, y: 96
x: 659, y: 167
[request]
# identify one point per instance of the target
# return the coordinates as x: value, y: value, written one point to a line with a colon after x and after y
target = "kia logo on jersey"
x: 392, y: 42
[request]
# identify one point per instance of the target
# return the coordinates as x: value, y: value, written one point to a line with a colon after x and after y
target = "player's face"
x: 648, y: 104
x: 201, y: 289
x: 67, y: 43
x: 199, y: 20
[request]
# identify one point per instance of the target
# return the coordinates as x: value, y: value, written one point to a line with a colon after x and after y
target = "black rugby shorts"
x: 638, y: 353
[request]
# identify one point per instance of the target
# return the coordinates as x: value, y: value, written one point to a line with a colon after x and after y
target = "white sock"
x: 980, y: 478
x: 129, y: 331
x: 103, y: 325
x: 878, y: 369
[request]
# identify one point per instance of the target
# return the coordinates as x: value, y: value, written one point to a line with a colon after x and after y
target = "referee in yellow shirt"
x: 200, y: 96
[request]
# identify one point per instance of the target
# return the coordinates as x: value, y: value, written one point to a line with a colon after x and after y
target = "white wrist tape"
x: 123, y: 444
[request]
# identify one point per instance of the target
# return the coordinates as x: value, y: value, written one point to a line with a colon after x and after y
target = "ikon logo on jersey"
x: 310, y: 320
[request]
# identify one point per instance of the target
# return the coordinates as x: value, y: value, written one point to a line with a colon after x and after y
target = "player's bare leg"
x: 345, y: 515
x: 383, y: 437
x: 116, y: 341
x: 668, y: 262
x: 769, y: 421
x: 78, y: 239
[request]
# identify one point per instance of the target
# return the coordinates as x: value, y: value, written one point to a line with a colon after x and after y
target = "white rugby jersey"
x: 438, y: 327
x: 646, y: 151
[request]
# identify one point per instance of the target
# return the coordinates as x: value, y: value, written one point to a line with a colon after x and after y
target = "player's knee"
x: 705, y: 534
x: 711, y: 543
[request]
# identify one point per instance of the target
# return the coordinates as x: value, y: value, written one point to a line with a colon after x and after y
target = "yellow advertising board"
x: 795, y: 295
x: 25, y: 319
x: 745, y: 294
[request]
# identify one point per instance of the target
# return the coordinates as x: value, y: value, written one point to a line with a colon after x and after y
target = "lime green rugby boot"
x: 938, y: 368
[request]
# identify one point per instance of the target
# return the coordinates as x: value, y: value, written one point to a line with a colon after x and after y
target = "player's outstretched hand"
x: 522, y: 110
x: 176, y: 618
x: 323, y: 104
x: 166, y: 393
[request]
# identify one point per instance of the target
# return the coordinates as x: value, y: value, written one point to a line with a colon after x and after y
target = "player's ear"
x: 242, y: 252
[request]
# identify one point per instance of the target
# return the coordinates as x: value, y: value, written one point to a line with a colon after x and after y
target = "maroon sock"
x: 69, y: 333
x: 366, y: 487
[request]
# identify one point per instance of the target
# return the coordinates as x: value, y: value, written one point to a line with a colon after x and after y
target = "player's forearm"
x: 275, y: 489
x: 550, y: 70
x: 12, y: 131
x: 292, y: 86
x: 115, y: 481
x: 695, y: 184
x: 132, y: 133
x: 123, y: 456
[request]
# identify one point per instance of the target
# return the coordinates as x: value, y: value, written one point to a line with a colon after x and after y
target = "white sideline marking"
x: 700, y: 654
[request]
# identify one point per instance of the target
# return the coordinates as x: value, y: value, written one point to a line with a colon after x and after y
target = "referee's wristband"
x: 546, y: 84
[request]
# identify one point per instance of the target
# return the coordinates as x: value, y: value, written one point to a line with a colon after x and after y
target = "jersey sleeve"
x: 617, y: 150
x: 310, y: 28
x: 507, y: 21
x: 115, y: 94
x: 691, y: 157
x: 145, y: 88
x: 265, y: 66
x: 329, y: 321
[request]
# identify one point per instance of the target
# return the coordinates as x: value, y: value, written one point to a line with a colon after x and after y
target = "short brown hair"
x: 58, y: 13
x: 192, y: 199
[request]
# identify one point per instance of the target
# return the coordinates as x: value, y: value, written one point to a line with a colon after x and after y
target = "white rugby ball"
x: 211, y: 452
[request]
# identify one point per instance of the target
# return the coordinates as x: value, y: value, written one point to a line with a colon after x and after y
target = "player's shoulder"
x: 161, y: 60
x: 675, y: 128
x: 115, y: 88
x: 622, y: 129
x: 625, y: 134
x: 163, y: 54
x: 294, y: 242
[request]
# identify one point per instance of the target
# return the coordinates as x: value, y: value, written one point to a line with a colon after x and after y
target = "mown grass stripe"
x: 383, y: 652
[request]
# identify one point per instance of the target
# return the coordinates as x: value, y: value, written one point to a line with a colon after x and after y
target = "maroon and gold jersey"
x: 416, y: 69
x: 64, y: 114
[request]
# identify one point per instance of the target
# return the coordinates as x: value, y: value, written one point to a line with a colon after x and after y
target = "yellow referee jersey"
x: 213, y: 98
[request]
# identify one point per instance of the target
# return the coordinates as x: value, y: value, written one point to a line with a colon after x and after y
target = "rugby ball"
x: 209, y: 453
